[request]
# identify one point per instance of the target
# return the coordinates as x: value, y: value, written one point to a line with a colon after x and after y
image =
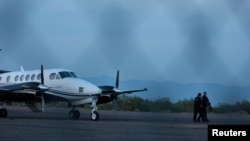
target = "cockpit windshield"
x: 65, y: 74
x: 73, y: 74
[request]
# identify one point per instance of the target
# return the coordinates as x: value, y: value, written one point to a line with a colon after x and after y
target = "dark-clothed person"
x: 198, y: 107
x: 205, y: 104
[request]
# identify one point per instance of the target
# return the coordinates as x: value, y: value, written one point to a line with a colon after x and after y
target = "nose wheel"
x: 94, y: 116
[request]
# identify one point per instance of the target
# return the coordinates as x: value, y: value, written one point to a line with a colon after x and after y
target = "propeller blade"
x: 117, y: 79
x: 42, y: 75
x: 42, y: 87
x: 116, y: 86
x: 42, y: 103
x: 115, y: 103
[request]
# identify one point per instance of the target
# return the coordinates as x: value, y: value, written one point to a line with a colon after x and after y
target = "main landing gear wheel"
x: 3, y: 113
x: 74, y: 114
x: 94, y: 116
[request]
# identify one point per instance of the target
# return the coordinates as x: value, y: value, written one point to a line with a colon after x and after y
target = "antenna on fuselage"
x: 21, y: 67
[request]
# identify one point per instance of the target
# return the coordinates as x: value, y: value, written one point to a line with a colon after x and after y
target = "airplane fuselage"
x: 62, y: 83
x: 54, y: 85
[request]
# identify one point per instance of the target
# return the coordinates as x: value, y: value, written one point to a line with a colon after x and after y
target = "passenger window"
x: 52, y: 76
x: 27, y: 77
x: 21, y: 77
x: 8, y: 79
x: 16, y: 77
x: 33, y: 77
x: 38, y: 76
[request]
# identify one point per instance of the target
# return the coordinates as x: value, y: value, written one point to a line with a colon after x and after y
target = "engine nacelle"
x: 104, y: 99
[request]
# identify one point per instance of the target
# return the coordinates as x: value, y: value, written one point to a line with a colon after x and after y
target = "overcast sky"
x: 162, y: 40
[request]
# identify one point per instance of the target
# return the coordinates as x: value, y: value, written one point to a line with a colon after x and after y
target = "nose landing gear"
x: 94, y: 114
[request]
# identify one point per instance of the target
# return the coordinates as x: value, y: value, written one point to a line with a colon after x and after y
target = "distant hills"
x: 217, y: 93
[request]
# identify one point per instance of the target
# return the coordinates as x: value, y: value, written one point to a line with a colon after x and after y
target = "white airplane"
x: 54, y: 85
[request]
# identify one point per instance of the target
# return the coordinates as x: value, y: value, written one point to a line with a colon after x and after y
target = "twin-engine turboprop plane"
x: 54, y: 85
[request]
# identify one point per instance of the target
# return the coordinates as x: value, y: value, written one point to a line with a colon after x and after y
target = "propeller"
x: 42, y: 75
x: 116, y: 87
x: 117, y: 79
x: 42, y: 88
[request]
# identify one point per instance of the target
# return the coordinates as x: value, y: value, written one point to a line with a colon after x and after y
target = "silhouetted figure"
x: 198, y: 107
x: 205, y: 104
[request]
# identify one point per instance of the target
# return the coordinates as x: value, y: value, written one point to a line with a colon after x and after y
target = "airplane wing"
x: 20, y: 86
x: 28, y: 92
x: 110, y: 90
x: 114, y: 91
x: 131, y: 91
x: 111, y: 93
x: 22, y: 92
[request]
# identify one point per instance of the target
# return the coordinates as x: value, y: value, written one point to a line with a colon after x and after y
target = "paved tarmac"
x: 53, y: 125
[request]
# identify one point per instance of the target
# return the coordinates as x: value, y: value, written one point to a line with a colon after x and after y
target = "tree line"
x: 136, y: 103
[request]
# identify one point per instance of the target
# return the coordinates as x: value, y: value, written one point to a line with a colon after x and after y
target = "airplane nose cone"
x: 97, y: 90
x: 90, y: 88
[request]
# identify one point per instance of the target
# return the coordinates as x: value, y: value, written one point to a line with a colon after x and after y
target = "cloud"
x: 196, y: 41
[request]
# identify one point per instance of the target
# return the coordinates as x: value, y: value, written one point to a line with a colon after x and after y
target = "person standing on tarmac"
x: 205, y: 104
x: 198, y: 107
